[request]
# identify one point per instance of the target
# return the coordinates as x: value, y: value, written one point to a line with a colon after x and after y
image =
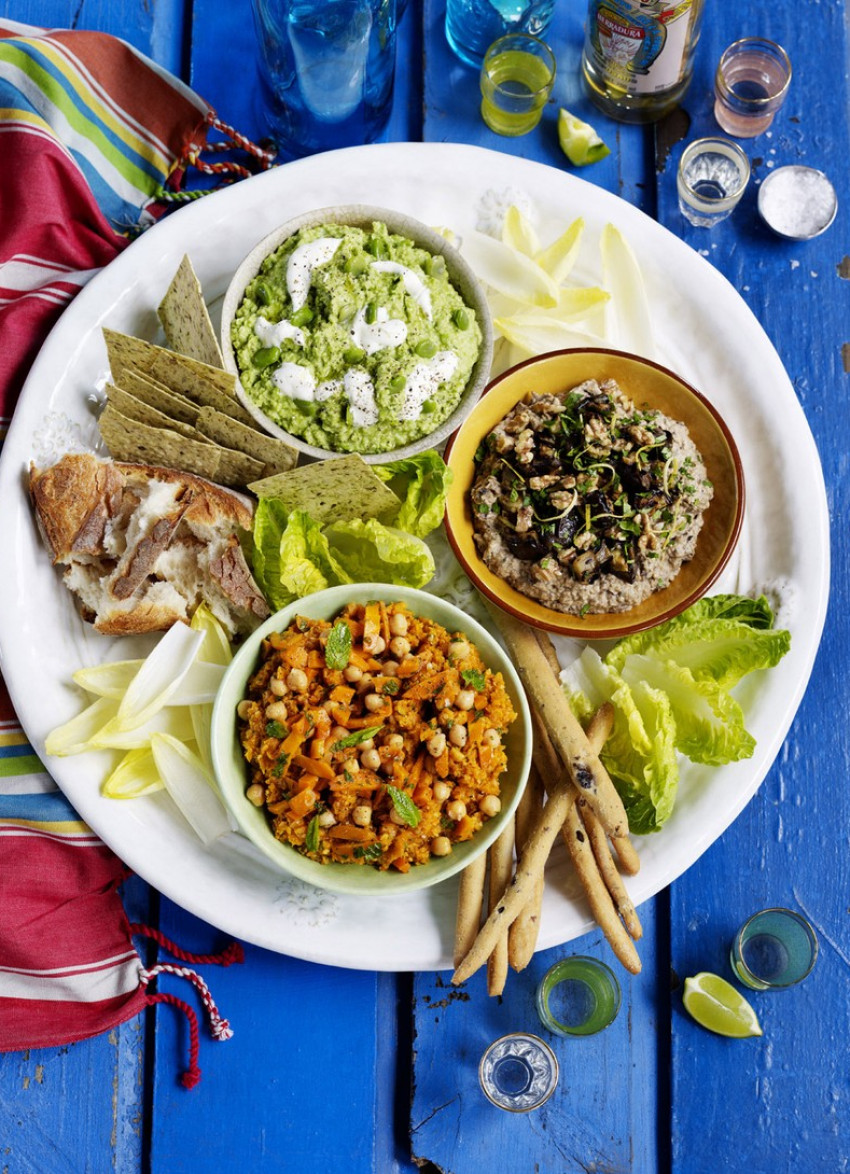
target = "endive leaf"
x: 509, y: 271
x: 190, y: 785
x: 135, y: 775
x: 536, y: 335
x: 629, y: 305
x: 518, y: 232
x: 108, y: 680
x: 115, y: 735
x: 160, y: 677
x: 215, y: 648
x: 560, y: 257
x: 75, y: 736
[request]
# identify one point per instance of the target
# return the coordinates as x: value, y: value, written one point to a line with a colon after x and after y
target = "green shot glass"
x: 775, y: 949
x: 578, y: 996
x: 517, y: 76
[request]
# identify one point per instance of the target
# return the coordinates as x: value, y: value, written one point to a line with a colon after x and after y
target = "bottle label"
x: 639, y: 47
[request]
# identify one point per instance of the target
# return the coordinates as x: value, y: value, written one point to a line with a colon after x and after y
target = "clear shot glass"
x: 578, y: 996
x: 712, y: 177
x: 775, y: 949
x: 517, y: 76
x: 518, y: 1072
x: 750, y: 85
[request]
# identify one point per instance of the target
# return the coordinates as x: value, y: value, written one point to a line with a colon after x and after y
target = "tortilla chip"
x: 275, y: 455
x: 157, y: 395
x: 334, y: 489
x: 132, y: 440
x: 186, y: 320
x: 136, y: 409
x: 178, y: 372
x: 207, y: 396
x: 236, y: 469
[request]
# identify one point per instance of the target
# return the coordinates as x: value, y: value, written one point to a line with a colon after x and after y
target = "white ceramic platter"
x: 704, y: 331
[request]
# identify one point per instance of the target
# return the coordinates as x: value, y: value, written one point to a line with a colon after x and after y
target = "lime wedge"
x: 716, y: 1005
x: 579, y: 141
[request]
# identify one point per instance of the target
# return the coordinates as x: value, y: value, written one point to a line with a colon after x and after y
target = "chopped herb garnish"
x: 356, y: 738
x: 275, y: 730
x: 338, y: 647
x: 475, y: 679
x: 405, y: 808
x: 311, y: 841
x: 369, y: 852
x: 391, y: 686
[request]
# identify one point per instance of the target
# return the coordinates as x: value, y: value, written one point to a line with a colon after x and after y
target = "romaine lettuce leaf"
x: 371, y: 552
x: 709, y: 721
x: 422, y: 482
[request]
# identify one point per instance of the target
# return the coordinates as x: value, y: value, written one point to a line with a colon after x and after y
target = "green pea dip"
x: 354, y: 339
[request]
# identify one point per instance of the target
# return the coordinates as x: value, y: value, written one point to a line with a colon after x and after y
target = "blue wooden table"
x: 346, y: 1070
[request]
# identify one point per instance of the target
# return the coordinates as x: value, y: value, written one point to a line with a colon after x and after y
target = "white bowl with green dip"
x: 357, y: 329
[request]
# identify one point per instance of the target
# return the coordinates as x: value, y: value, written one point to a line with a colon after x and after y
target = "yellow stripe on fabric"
x: 60, y: 827
x: 18, y: 738
x: 119, y: 125
x: 26, y: 116
x: 82, y: 124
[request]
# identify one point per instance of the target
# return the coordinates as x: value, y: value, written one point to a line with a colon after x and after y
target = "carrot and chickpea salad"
x: 377, y: 738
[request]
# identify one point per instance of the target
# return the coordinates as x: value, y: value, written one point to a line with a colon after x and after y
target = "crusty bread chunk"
x: 143, y: 546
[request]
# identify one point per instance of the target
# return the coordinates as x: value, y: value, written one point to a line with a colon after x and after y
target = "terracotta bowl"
x: 649, y: 386
x: 361, y: 215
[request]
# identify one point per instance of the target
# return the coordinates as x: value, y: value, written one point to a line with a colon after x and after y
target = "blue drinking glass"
x: 774, y: 949
x: 473, y: 25
x: 327, y: 69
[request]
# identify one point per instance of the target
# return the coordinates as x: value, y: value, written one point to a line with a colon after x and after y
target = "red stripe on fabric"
x: 59, y: 905
x: 25, y: 1024
x: 46, y: 210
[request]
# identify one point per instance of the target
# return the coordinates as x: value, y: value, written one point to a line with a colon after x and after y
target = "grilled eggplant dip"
x: 585, y: 503
x: 354, y: 340
x: 374, y: 739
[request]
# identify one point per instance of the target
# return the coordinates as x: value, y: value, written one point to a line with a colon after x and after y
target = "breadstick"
x: 522, y: 936
x: 586, y: 771
x: 599, y: 899
x: 608, y: 871
x: 627, y: 855
x: 501, y: 867
x: 470, y: 902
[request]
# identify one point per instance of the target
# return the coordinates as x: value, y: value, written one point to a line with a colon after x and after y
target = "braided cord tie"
x: 220, y: 1028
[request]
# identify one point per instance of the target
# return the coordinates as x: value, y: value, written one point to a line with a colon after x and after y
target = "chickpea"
x: 373, y: 702
x: 256, y: 794
x: 243, y: 710
x: 441, y: 846
x: 327, y: 819
x: 458, y: 650
x: 365, y: 683
x: 362, y: 815
x: 276, y: 712
x: 390, y: 668
x: 398, y: 624
x: 352, y: 673
x: 456, y: 809
x: 465, y: 699
x: 374, y: 645
x: 338, y: 733
x: 490, y: 805
x: 351, y: 766
x: 370, y: 759
x: 457, y: 736
x: 399, y: 646
x: 492, y: 738
x: 396, y: 818
x: 436, y: 744
x: 442, y: 791
x: 278, y: 686
x: 296, y: 679
x: 395, y: 742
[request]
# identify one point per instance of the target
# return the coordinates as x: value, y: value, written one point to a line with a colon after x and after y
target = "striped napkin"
x: 95, y: 142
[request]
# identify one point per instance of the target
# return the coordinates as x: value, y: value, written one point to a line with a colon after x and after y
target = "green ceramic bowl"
x: 231, y: 770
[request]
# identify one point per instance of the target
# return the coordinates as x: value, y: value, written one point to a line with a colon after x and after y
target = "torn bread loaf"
x: 143, y: 546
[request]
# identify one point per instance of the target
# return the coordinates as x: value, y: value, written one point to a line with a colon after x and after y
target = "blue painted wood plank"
x: 780, y: 1097
x: 155, y: 29
x: 602, y: 1115
x: 299, y: 1077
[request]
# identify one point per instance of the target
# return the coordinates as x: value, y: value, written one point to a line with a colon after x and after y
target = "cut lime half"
x: 717, y: 1006
x: 579, y: 141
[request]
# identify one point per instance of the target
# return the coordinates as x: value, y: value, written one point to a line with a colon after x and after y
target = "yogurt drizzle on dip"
x: 354, y: 338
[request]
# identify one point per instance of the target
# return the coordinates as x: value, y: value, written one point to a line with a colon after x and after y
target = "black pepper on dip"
x: 586, y: 503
